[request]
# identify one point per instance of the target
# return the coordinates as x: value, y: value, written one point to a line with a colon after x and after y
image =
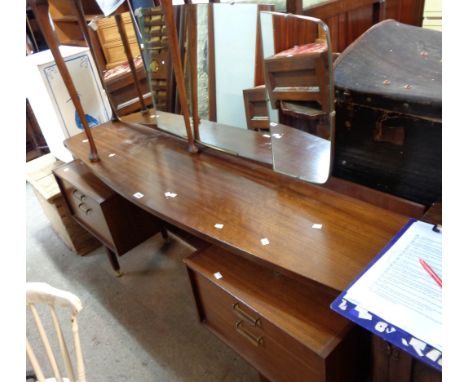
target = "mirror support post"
x: 193, y: 67
x: 41, y: 11
x: 179, y: 75
x: 131, y: 63
x: 84, y: 29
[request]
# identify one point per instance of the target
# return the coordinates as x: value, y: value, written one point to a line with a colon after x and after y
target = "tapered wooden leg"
x: 164, y: 233
x: 114, y: 261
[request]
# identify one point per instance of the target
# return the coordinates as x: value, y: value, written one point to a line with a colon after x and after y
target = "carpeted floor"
x: 140, y: 327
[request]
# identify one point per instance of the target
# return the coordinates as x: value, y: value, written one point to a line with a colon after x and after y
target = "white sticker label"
x: 152, y: 116
x: 273, y: 124
x: 317, y: 226
x: 364, y: 314
x: 277, y: 136
x: 433, y: 355
x: 66, y: 169
x: 265, y: 241
x: 219, y: 226
x: 111, y: 155
x: 267, y: 135
x: 138, y: 195
x: 84, y: 140
x: 169, y: 194
x: 218, y: 275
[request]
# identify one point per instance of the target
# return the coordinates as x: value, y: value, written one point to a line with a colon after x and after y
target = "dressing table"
x: 274, y: 250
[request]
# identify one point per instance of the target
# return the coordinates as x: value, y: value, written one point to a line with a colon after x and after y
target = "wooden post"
x: 193, y: 42
x: 41, y: 10
x: 179, y: 74
x: 131, y: 63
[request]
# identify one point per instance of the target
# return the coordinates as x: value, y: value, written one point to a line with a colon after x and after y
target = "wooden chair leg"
x: 114, y: 262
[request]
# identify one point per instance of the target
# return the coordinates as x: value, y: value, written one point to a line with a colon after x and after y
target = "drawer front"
x: 88, y: 211
x: 247, y: 333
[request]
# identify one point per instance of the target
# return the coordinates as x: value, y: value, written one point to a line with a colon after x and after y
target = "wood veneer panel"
x: 251, y: 201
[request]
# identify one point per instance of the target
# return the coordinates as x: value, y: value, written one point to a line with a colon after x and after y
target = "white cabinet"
x: 51, y: 102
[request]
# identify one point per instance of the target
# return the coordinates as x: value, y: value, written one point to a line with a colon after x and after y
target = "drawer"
x: 119, y: 224
x: 258, y: 346
x: 283, y: 327
x: 87, y: 211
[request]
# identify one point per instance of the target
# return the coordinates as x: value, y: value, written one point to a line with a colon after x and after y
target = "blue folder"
x: 386, y: 330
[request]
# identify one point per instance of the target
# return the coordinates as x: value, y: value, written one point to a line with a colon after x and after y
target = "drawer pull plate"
x: 242, y: 314
x: 85, y: 208
x: 249, y: 336
x: 78, y: 195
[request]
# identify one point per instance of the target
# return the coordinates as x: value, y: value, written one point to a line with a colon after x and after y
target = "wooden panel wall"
x: 347, y: 19
x: 290, y: 32
x: 405, y: 11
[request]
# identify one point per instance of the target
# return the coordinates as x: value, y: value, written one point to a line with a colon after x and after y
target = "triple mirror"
x: 259, y: 84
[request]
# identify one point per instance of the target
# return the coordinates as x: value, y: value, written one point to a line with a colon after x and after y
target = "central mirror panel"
x: 259, y: 84
x: 224, y: 78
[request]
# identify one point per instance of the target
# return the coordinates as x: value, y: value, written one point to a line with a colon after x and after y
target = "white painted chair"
x: 43, y: 294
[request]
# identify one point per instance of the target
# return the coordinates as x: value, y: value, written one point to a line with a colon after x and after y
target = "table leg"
x: 164, y: 233
x: 114, y: 261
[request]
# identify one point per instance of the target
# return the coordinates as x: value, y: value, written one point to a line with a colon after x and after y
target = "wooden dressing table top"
x: 250, y: 200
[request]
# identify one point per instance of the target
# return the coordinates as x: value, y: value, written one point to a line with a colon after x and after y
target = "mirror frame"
x: 332, y: 113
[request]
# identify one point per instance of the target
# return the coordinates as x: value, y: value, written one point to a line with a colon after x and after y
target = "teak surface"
x: 251, y: 201
x: 309, y: 320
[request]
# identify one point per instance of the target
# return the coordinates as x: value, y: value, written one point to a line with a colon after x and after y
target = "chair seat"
x: 310, y: 110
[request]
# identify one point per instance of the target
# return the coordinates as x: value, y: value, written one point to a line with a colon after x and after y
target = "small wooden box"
x: 282, y: 327
x: 39, y: 175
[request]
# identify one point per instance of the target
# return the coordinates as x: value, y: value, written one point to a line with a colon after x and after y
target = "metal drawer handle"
x: 85, y: 208
x: 78, y: 195
x: 244, y: 333
x: 241, y: 314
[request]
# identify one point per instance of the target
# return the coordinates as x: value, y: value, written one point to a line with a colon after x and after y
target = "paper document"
x: 400, y: 291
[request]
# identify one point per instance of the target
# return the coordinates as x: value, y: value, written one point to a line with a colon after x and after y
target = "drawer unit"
x: 117, y: 223
x: 282, y: 327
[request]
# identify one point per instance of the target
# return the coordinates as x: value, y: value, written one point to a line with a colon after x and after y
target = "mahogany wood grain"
x: 300, y: 334
x: 347, y: 19
x: 434, y: 214
x: 41, y: 11
x: 405, y: 11
x: 260, y: 152
x: 250, y: 200
x: 130, y: 61
x: 289, y: 32
x: 257, y: 148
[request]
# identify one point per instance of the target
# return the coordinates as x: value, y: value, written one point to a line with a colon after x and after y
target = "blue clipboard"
x: 386, y: 330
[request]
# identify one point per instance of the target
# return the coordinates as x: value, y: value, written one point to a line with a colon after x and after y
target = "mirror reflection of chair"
x: 42, y: 295
x: 299, y: 84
